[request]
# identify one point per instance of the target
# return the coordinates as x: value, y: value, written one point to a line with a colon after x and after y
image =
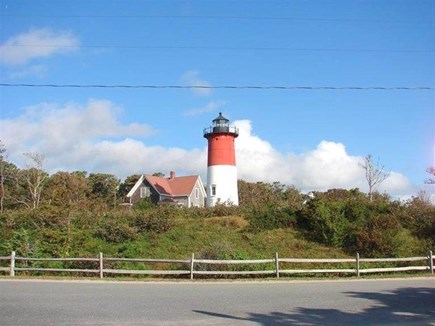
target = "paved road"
x: 358, y: 302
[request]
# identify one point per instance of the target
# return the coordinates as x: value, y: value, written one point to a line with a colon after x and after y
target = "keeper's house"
x: 187, y: 191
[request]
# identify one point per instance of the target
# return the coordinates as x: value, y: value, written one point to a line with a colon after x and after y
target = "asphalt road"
x: 344, y: 302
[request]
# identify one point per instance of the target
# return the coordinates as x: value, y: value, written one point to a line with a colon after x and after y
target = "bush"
x: 268, y: 217
x: 115, y: 229
x: 418, y: 216
x: 220, y: 250
x: 24, y: 242
x: 325, y: 221
x: 224, y: 210
x: 383, y: 236
x: 153, y: 220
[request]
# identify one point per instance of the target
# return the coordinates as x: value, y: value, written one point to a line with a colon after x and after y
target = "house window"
x: 213, y: 190
x: 144, y: 192
x: 196, y: 193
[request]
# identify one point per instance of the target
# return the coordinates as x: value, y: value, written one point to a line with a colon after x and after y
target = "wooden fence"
x: 190, y: 267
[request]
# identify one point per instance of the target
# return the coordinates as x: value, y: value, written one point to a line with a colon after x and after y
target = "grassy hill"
x: 225, y: 237
x: 333, y: 224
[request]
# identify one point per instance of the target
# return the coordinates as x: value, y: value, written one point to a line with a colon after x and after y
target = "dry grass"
x: 232, y: 222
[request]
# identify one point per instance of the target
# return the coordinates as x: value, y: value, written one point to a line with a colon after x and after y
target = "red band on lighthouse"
x: 221, y: 149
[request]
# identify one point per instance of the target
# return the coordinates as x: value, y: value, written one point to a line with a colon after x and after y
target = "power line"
x: 246, y: 87
x: 218, y: 48
x: 377, y: 21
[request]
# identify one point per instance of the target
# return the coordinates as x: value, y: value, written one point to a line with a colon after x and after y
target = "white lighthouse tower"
x: 221, y: 165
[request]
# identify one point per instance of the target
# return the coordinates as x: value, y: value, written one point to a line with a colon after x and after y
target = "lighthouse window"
x: 213, y: 190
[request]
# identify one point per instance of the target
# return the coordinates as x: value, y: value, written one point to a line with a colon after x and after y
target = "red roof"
x: 177, y: 186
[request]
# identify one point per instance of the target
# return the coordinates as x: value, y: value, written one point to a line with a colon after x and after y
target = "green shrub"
x: 326, y: 222
x: 153, y: 220
x: 24, y: 242
x: 114, y: 228
x: 383, y: 236
x: 268, y: 217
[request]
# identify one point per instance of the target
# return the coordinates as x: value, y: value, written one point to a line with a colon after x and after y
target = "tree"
x: 34, y: 177
x: 374, y: 172
x: 69, y: 190
x: 126, y: 186
x: 104, y: 186
x: 13, y: 187
x: 2, y: 170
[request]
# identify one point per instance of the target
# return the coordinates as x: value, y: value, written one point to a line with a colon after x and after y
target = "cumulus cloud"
x: 90, y: 137
x: 192, y: 78
x: 66, y: 133
x: 328, y: 164
x: 257, y: 160
x: 131, y: 156
x: 36, y: 43
x: 325, y: 167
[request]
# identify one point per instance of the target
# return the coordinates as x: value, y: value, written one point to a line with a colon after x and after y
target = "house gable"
x: 186, y: 190
x: 135, y: 187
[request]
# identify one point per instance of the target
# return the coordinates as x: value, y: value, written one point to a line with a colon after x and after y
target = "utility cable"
x: 241, y: 87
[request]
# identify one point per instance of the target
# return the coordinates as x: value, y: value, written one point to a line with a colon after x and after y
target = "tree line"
x: 79, y: 214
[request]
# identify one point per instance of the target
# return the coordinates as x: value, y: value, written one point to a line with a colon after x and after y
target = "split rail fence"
x: 190, y: 267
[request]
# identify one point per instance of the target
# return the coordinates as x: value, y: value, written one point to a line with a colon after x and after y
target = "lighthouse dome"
x: 221, y: 124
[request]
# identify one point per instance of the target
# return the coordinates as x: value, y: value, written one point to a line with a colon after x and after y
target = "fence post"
x: 276, y: 265
x: 192, y: 262
x: 430, y: 262
x: 12, y: 267
x: 101, y: 265
x: 357, y: 264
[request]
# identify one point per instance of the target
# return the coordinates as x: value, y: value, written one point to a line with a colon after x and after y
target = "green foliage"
x: 418, y: 216
x: 73, y: 221
x: 260, y: 193
x: 65, y: 189
x: 128, y: 183
x: 115, y: 228
x: 268, y: 206
x: 326, y: 221
x: 118, y: 227
x: 269, y: 217
x: 22, y: 241
x: 220, y: 250
x: 349, y: 220
x: 104, y: 186
x: 224, y: 210
x: 383, y: 236
x: 156, y: 220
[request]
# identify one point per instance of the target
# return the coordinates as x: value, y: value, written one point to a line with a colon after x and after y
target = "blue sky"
x: 312, y: 139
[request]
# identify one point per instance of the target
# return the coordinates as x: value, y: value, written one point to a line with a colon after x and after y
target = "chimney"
x: 171, y: 175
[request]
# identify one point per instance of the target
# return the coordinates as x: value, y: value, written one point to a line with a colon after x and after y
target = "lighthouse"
x: 221, y: 164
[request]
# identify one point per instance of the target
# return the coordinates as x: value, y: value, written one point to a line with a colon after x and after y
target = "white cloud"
x: 130, y: 156
x: 211, y: 106
x: 90, y: 137
x: 397, y: 184
x: 66, y: 134
x: 328, y: 164
x: 257, y: 160
x: 191, y: 78
x: 36, y: 43
x: 325, y: 167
